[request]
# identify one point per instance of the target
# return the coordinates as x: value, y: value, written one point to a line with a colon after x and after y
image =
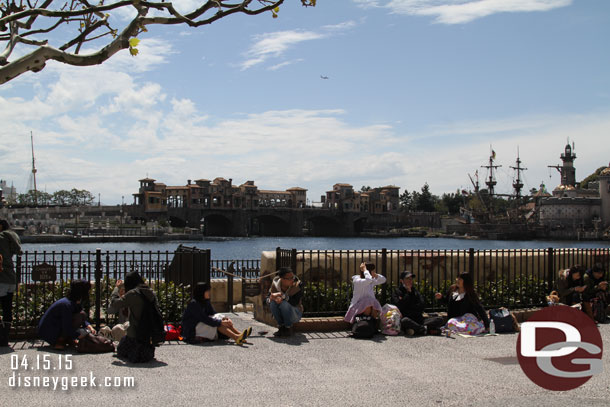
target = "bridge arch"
x: 322, y: 225
x: 217, y: 225
x: 269, y: 225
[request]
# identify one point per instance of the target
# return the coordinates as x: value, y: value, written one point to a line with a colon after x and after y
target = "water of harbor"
x: 251, y: 247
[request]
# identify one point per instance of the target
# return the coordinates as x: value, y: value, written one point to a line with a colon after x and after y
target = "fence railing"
x: 169, y: 275
x: 516, y: 278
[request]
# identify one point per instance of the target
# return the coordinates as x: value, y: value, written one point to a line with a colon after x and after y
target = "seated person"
x: 596, y: 289
x: 411, y: 304
x: 65, y: 321
x: 284, y: 299
x: 571, y: 286
x: 363, y: 299
x: 465, y: 313
x: 137, y: 296
x: 200, y: 322
x: 120, y: 329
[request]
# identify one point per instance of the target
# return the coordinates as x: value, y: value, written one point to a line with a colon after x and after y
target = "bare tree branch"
x: 92, y: 23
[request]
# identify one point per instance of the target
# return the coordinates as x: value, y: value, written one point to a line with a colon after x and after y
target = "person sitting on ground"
x: 65, y: 321
x: 137, y: 296
x: 596, y: 285
x: 284, y: 299
x: 465, y: 313
x: 571, y: 286
x: 10, y: 245
x: 363, y: 300
x: 411, y: 304
x: 201, y: 323
x: 120, y: 329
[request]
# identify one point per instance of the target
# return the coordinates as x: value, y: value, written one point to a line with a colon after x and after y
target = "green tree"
x: 81, y: 197
x: 32, y: 198
x: 406, y: 201
x: 58, y: 30
x: 450, y: 203
x: 425, y: 201
x: 61, y: 197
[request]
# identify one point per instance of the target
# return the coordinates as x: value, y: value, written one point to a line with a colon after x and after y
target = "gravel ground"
x: 308, y: 369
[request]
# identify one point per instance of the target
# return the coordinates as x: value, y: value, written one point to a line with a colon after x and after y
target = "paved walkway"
x: 329, y: 369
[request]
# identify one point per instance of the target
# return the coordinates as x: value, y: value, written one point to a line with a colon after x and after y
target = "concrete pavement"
x: 307, y: 369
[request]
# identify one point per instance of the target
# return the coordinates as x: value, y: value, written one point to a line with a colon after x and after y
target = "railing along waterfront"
x: 169, y: 275
x: 515, y: 278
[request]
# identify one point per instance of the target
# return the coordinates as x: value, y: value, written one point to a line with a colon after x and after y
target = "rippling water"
x: 251, y: 247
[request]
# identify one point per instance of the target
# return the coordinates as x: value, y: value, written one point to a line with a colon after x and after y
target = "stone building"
x: 377, y: 200
x: 217, y: 194
x: 572, y: 208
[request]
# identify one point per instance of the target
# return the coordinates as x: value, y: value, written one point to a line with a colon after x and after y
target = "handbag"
x: 94, y: 344
x: 503, y: 320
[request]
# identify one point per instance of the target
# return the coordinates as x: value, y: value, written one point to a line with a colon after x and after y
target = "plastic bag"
x: 390, y: 320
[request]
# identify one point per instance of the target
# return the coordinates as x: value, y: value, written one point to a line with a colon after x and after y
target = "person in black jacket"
x: 200, y: 321
x: 411, y: 304
x: 462, y: 299
x: 65, y: 321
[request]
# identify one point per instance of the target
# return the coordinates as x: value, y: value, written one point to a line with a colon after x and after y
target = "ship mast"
x: 491, y: 181
x: 34, y: 170
x: 517, y: 183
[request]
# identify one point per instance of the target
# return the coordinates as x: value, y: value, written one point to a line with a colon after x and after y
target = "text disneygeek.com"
x: 22, y: 365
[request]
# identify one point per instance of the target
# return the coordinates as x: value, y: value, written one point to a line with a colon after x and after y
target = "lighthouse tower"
x: 568, y: 172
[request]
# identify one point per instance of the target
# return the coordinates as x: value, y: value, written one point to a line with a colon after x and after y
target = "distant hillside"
x: 591, y: 178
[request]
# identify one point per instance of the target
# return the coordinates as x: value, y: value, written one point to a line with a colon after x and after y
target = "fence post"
x: 231, y: 270
x: 550, y: 270
x: 471, y: 261
x: 384, y: 263
x: 278, y: 258
x: 293, y: 261
x: 98, y: 288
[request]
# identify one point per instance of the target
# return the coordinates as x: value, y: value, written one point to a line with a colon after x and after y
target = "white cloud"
x: 285, y: 63
x: 465, y: 11
x: 346, y: 25
x: 274, y: 45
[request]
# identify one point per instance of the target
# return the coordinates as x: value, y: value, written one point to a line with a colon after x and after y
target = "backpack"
x: 94, y: 344
x: 503, y: 320
x: 599, y: 310
x: 172, y: 333
x: 364, y: 327
x: 151, y: 329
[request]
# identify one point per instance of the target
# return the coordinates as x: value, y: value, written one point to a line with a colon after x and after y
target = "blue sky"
x: 417, y: 91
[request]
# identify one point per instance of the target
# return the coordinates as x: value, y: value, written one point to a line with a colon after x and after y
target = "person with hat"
x: 411, y: 304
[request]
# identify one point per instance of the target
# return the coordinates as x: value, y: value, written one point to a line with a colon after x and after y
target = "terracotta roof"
x: 605, y: 171
x: 202, y: 180
x: 296, y: 189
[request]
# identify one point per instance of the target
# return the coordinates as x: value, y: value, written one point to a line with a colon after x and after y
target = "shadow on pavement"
x: 148, y: 365
x: 295, y: 340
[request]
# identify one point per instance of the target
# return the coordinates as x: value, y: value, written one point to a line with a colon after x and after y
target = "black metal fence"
x: 170, y: 275
x: 516, y: 278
